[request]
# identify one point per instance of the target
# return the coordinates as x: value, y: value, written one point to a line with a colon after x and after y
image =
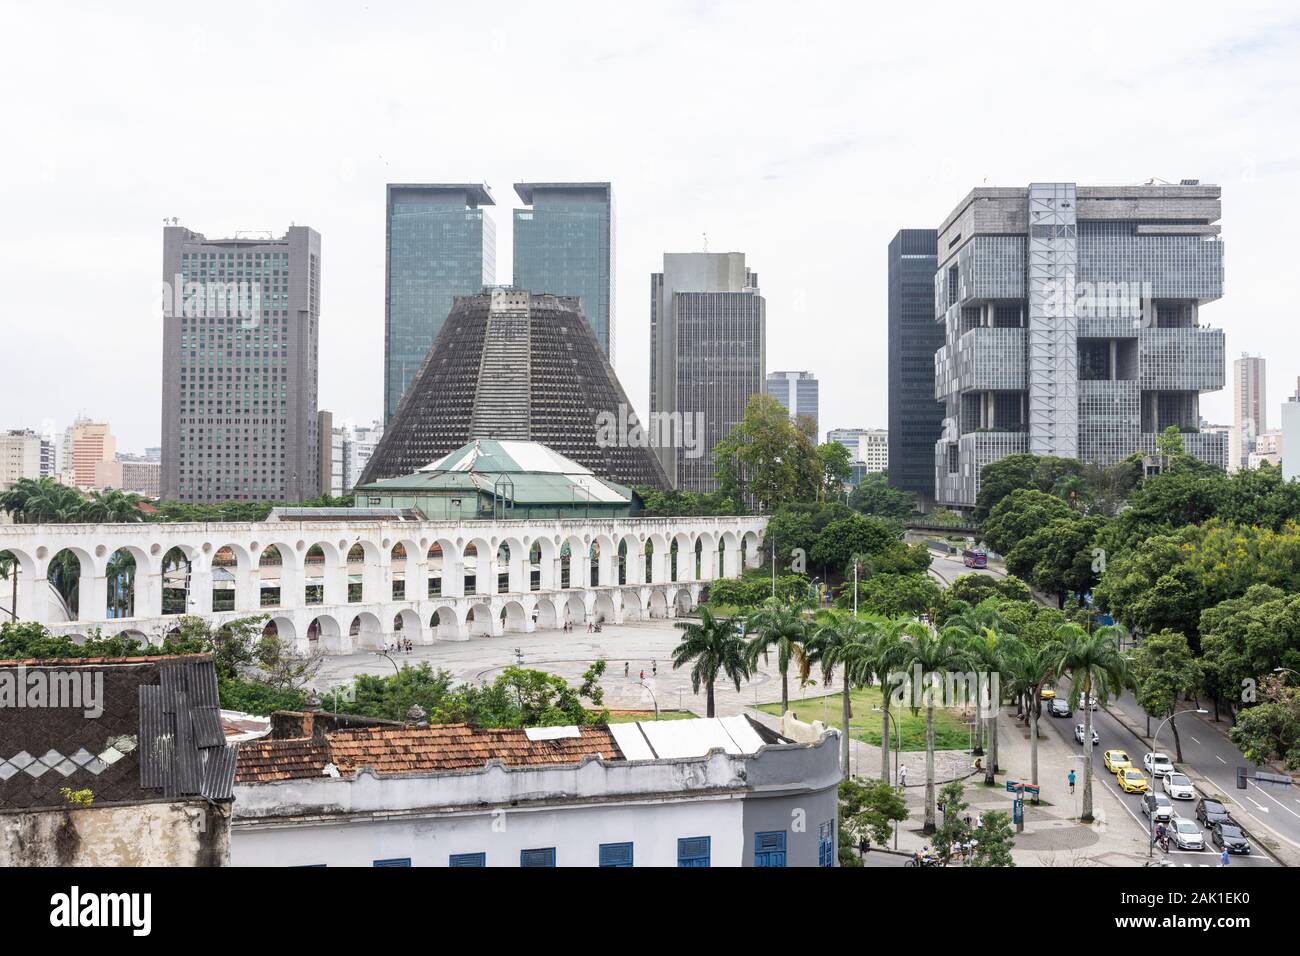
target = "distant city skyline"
x: 766, y: 151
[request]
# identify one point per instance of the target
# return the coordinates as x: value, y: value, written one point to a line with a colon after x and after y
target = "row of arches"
x: 130, y: 582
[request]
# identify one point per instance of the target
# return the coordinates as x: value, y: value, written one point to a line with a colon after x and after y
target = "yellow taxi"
x: 1047, y: 693
x: 1132, y: 780
x: 1115, y: 760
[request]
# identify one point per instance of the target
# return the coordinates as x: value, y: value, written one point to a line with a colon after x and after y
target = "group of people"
x: 627, y: 670
x: 592, y: 627
x: 401, y: 646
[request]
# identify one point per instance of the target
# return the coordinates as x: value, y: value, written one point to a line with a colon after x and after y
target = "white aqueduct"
x: 339, y: 586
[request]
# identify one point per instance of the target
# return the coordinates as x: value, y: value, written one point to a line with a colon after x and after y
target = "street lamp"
x: 898, y: 746
x: 646, y: 687
x: 1285, y: 670
x: 391, y: 661
x: 1151, y: 817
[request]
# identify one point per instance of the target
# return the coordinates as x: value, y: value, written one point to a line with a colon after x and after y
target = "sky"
x: 803, y: 135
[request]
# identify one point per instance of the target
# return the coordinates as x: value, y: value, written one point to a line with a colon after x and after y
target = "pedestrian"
x: 643, y: 675
x: 626, y: 670
x: 1070, y: 777
x: 1223, y: 857
x: 654, y: 668
x: 902, y: 776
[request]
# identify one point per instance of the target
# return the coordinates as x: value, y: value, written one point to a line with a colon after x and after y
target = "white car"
x: 1078, y: 734
x: 1158, y: 765
x: 1178, y: 786
x: 1186, y: 834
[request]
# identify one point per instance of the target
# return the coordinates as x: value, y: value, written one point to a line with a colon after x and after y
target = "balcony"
x: 984, y: 360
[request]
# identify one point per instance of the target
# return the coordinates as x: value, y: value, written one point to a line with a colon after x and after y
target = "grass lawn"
x: 950, y: 731
x: 630, y: 716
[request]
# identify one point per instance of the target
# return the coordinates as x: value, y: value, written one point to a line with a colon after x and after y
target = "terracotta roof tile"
x: 393, y: 750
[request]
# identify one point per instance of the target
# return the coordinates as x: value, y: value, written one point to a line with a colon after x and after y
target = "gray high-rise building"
x: 439, y: 244
x: 915, y: 415
x: 239, y: 397
x: 798, y: 394
x: 564, y: 245
x: 1249, y: 408
x: 708, y: 342
x: 1072, y: 325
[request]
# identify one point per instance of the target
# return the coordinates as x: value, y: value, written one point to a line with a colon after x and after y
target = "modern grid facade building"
x: 438, y: 244
x: 564, y: 245
x: 915, y: 416
x: 798, y: 393
x: 868, y: 450
x: 1072, y: 325
x: 708, y: 357
x: 239, y: 406
x: 1249, y: 408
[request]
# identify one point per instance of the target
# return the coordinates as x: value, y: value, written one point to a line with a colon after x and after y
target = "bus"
x: 975, y: 558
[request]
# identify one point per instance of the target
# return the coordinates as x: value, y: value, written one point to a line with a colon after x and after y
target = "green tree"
x: 768, y: 457
x: 783, y: 628
x: 836, y: 468
x: 1018, y: 515
x: 873, y: 496
x: 1020, y: 472
x: 935, y: 654
x: 953, y: 830
x: 991, y: 644
x: 836, y: 644
x: 1164, y: 672
x: 1058, y: 557
x: 995, y: 840
x: 1270, y: 730
x: 870, y: 808
x: 1026, y: 670
x: 853, y: 535
x: 714, y: 647
x: 895, y: 595
x: 1097, y: 669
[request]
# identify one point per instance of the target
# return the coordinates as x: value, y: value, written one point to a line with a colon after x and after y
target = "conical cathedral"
x: 513, y: 366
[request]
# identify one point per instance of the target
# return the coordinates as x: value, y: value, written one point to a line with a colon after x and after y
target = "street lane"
x: 1115, y: 736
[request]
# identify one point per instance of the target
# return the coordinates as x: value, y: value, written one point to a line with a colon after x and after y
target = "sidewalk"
x: 1052, y: 836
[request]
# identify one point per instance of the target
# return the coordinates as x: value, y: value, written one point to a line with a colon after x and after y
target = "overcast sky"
x: 804, y: 135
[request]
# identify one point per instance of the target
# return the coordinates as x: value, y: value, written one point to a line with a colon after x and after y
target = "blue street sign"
x: 1018, y: 811
x: 1013, y: 787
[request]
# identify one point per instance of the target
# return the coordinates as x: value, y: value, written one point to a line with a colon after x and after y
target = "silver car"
x: 1078, y: 734
x: 1186, y: 834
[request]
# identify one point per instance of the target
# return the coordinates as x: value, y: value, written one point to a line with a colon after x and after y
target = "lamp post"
x: 1151, y: 816
x: 898, y: 745
x: 646, y: 687
x: 391, y: 661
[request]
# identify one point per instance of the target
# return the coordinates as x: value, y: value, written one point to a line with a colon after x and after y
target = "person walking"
x: 1223, y: 857
x: 627, y: 670
x: 902, y: 776
x: 654, y: 668
x: 1070, y: 777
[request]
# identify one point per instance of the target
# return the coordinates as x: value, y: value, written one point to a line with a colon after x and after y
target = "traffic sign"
x: 1014, y: 787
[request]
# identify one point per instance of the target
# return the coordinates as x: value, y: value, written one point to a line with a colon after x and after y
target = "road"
x: 1210, y: 753
x: 1114, y: 735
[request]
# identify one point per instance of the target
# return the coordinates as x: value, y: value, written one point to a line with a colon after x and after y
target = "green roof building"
x: 501, y: 480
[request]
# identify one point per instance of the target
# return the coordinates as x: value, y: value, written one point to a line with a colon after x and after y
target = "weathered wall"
x: 143, y: 834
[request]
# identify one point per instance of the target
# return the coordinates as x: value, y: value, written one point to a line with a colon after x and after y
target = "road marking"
x: 1265, y: 792
x: 1193, y: 738
x: 1220, y: 759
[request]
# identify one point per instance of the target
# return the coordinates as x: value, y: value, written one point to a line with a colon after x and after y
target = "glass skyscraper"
x: 439, y: 245
x: 915, y: 415
x: 564, y: 244
x: 798, y: 394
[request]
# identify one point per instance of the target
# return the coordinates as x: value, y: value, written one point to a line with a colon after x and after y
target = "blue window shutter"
x: 769, y: 848
x: 468, y: 859
x: 693, y: 851
x: 616, y: 854
x: 404, y: 861
x: 544, y: 856
x: 826, y: 844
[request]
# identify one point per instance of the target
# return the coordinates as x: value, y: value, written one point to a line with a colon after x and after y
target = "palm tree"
x: 1097, y: 669
x: 934, y: 654
x: 714, y: 646
x: 41, y: 502
x: 975, y: 619
x: 881, y: 663
x: 838, y: 643
x: 785, y: 628
x: 112, y: 507
x: 1028, y: 669
x: 990, y: 649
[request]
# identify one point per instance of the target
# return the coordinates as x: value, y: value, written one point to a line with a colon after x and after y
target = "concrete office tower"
x: 708, y: 356
x: 1072, y: 325
x: 21, y: 456
x: 915, y: 416
x: 438, y: 245
x: 1291, y: 436
x: 359, y: 446
x: 240, y: 367
x: 1249, y: 408
x: 868, y: 449
x: 88, y: 443
x: 511, y: 365
x: 564, y: 245
x: 798, y: 394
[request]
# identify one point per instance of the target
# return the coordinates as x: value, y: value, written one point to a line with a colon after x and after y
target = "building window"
x: 403, y: 861
x: 693, y: 851
x: 769, y: 848
x: 826, y: 844
x: 616, y: 854
x: 540, y: 857
x: 468, y: 859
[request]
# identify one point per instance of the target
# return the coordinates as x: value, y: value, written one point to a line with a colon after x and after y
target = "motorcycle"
x: 923, y: 861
